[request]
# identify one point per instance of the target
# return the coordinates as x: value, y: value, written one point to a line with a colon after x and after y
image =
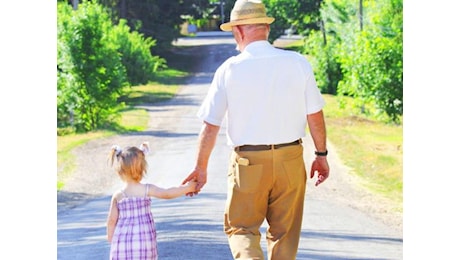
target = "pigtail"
x: 144, y: 147
x: 115, y: 152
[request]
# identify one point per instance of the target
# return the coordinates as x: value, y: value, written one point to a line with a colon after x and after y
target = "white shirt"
x: 265, y: 94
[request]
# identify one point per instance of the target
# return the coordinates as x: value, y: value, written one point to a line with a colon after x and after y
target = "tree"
x: 360, y: 54
x: 97, y: 61
x: 303, y: 16
x: 157, y: 19
x: 372, y: 64
x: 91, y: 75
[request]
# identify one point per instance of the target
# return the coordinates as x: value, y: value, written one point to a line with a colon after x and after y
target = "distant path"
x: 340, y: 220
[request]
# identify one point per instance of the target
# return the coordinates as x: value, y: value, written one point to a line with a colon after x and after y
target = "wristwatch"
x: 321, y: 153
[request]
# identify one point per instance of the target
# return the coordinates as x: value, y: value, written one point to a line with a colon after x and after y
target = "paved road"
x: 191, y: 228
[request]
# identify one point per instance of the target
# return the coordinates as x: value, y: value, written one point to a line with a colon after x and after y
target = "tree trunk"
x: 323, y: 30
x: 75, y: 4
x: 360, y: 15
x: 123, y: 9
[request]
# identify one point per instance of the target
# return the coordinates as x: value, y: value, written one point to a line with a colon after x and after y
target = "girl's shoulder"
x: 118, y: 195
x: 152, y: 189
x: 150, y: 186
x: 134, y: 191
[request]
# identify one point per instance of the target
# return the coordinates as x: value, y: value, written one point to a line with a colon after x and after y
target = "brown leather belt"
x: 245, y: 148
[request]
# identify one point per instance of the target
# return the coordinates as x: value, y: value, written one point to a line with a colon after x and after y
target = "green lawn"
x: 372, y: 149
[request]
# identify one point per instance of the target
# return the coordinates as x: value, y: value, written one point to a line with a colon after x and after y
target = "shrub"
x: 136, y: 56
x: 324, y: 59
x: 97, y: 61
x: 373, y: 64
x: 91, y: 76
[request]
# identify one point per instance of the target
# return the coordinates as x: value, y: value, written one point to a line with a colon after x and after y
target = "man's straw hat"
x: 247, y: 12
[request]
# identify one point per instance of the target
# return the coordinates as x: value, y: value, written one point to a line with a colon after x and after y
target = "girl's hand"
x: 192, y: 185
x: 198, y: 176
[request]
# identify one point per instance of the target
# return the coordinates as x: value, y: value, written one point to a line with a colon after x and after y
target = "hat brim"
x: 227, y: 27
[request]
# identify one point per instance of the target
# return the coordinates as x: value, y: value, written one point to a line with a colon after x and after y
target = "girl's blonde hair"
x: 131, y: 161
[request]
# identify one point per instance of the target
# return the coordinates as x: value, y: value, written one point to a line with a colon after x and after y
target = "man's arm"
x: 317, y: 128
x: 206, y: 142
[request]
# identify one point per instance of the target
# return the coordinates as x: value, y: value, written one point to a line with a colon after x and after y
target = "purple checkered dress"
x: 135, y: 235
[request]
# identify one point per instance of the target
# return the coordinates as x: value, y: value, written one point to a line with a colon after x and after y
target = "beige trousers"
x: 271, y: 187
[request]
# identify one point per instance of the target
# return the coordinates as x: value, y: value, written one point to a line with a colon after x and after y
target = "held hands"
x: 191, y: 186
x: 198, y: 176
x: 321, y: 166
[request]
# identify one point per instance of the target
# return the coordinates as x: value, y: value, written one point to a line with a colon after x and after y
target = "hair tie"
x: 117, y: 150
x: 145, y: 148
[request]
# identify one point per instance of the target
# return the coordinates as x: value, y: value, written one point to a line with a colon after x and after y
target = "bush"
x: 324, y: 58
x: 373, y: 64
x: 135, y: 54
x: 374, y: 74
x: 97, y: 61
x: 91, y: 76
x: 361, y: 62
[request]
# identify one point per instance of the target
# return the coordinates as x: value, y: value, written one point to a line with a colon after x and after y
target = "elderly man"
x: 267, y: 96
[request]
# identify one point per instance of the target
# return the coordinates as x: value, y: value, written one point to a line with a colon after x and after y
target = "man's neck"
x: 249, y: 41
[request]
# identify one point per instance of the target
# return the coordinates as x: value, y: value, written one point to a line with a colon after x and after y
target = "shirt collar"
x: 256, y: 45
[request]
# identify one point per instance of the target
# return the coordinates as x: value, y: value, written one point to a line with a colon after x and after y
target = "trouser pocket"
x: 246, y: 178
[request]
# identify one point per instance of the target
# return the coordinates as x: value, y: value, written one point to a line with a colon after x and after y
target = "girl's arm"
x: 112, y: 218
x: 173, y: 192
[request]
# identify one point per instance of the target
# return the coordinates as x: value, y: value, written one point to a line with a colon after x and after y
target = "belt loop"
x: 272, y: 147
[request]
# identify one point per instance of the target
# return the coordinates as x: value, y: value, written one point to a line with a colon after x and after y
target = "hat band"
x: 250, y: 11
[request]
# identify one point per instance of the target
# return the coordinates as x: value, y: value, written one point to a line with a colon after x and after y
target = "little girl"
x: 130, y: 226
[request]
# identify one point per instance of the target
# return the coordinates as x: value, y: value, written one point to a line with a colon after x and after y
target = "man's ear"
x: 239, y: 33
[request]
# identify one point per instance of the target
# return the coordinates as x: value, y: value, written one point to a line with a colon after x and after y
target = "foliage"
x: 136, y: 57
x: 90, y: 73
x: 367, y: 64
x: 324, y: 59
x: 202, y: 12
x: 157, y: 19
x: 324, y: 46
x: 302, y: 16
x: 97, y: 61
x: 67, y: 95
x: 373, y: 65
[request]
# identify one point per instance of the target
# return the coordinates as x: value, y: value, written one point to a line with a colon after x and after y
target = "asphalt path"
x: 192, y: 227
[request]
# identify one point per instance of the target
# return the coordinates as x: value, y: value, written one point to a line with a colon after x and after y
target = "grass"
x: 65, y: 158
x: 150, y: 93
x: 372, y: 149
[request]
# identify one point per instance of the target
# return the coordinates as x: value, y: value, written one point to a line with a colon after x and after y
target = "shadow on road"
x: 181, y: 233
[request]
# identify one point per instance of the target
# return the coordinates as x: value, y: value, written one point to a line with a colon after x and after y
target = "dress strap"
x: 147, y: 190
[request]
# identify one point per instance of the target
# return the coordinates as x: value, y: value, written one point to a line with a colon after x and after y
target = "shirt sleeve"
x: 314, y: 99
x: 214, y: 106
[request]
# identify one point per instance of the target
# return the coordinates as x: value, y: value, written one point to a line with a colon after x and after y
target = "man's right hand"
x: 198, y: 175
x: 321, y: 166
